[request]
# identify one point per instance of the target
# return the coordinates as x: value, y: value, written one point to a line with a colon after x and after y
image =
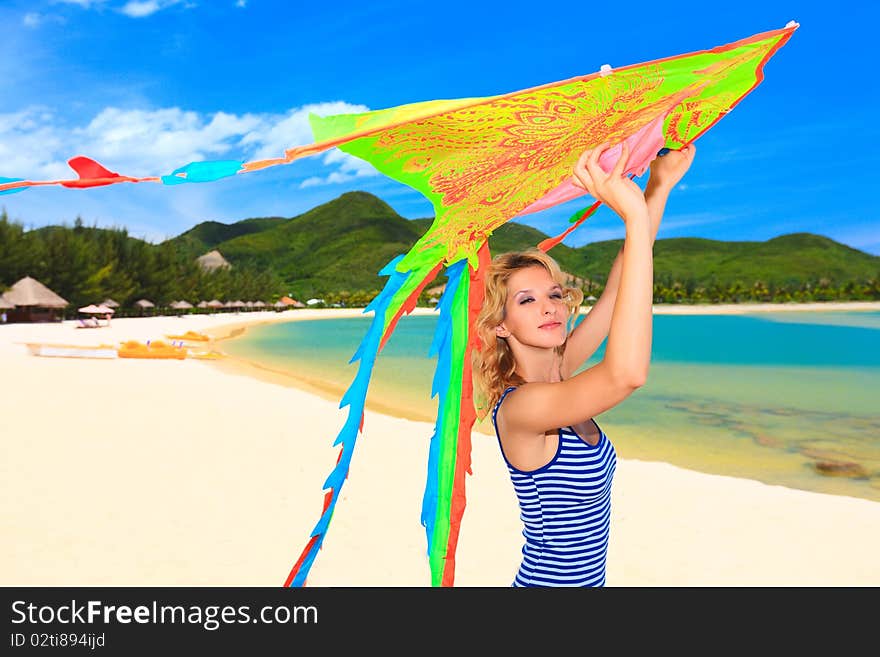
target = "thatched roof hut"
x: 213, y: 260
x: 30, y: 292
x: 34, y: 302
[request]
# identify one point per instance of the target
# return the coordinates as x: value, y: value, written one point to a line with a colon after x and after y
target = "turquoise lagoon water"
x: 765, y: 396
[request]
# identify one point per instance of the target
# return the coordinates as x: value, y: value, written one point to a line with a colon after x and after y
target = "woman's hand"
x: 614, y: 189
x: 668, y: 169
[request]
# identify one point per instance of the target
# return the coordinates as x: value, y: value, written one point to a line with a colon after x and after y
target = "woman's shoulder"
x: 522, y: 400
x: 501, y: 398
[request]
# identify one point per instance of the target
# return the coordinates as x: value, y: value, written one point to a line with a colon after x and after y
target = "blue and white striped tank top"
x: 565, y: 507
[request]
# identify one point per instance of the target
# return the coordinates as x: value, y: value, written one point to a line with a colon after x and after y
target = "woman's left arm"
x: 666, y: 172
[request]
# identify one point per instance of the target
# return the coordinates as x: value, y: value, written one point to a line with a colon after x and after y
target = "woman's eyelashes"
x: 525, y: 300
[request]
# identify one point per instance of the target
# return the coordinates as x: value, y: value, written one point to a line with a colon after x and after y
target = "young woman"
x: 560, y: 462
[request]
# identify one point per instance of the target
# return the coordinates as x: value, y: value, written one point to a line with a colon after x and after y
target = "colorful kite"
x: 482, y: 162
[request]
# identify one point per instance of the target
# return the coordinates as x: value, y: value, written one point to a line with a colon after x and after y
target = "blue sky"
x: 147, y: 86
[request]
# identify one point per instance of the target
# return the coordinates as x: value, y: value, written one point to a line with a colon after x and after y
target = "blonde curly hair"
x: 493, y: 363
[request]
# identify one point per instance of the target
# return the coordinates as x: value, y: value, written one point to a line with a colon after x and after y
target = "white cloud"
x: 35, y: 143
x: 140, y: 9
x: 28, y: 144
x: 151, y: 141
x: 34, y: 20
x: 143, y: 8
x: 241, y: 3
x: 85, y: 4
x: 349, y: 168
x: 131, y: 8
x: 292, y: 129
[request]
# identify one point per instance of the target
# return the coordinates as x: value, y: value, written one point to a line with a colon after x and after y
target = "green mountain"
x: 207, y: 235
x: 339, y: 245
x: 342, y: 245
x: 785, y: 260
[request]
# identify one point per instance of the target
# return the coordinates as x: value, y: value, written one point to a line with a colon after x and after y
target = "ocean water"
x: 789, y: 398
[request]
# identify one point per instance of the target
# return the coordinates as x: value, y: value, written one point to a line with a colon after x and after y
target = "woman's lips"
x: 550, y: 325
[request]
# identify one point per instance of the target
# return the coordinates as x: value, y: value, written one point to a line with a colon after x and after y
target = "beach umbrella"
x: 215, y: 303
x: 104, y: 309
x: 202, y: 304
x: 110, y: 303
x: 92, y: 309
x: 259, y: 304
x: 235, y: 305
x: 145, y: 306
x: 181, y: 306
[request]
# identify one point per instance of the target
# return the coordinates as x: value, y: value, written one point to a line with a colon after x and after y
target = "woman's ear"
x: 501, y: 331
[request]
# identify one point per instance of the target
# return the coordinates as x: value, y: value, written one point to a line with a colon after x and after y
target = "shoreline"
x: 238, y: 366
x: 241, y: 366
x: 155, y: 473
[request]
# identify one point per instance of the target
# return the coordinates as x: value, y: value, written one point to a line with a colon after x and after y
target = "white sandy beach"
x: 176, y: 473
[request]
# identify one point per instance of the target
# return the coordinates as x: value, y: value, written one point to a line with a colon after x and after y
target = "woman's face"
x: 535, y: 311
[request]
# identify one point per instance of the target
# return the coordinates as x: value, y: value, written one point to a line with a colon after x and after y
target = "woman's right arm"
x: 538, y: 407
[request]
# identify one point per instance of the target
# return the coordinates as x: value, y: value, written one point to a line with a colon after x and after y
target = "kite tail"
x: 449, y: 458
x: 399, y: 295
